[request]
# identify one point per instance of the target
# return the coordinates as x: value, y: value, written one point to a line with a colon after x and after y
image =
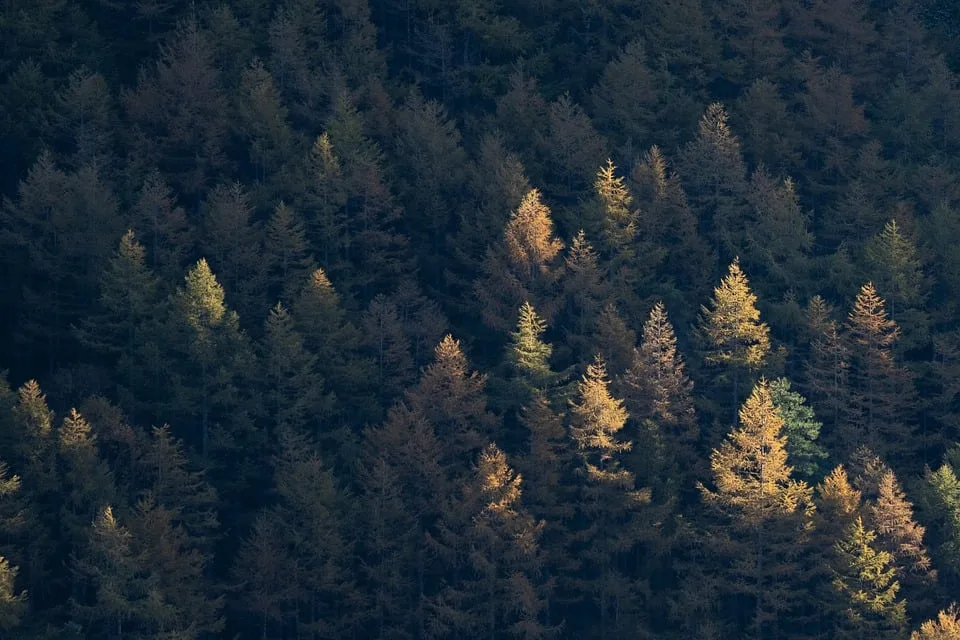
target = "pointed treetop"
x: 868, y: 319
x: 529, y: 233
x: 75, y: 431
x: 837, y: 495
x: 597, y: 414
x: 528, y: 352
x: 32, y: 409
x: 449, y: 355
x: 945, y: 627
x: 203, y: 297
x: 732, y: 324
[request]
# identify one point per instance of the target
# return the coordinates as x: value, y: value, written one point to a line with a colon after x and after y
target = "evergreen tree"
x: 868, y: 585
x: 826, y: 370
x: 86, y: 483
x: 882, y: 392
x: 530, y: 356
x: 287, y: 261
x: 801, y: 427
x: 163, y: 227
x: 893, y: 259
x: 586, y: 290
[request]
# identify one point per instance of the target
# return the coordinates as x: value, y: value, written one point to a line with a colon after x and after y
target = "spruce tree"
x: 801, y: 427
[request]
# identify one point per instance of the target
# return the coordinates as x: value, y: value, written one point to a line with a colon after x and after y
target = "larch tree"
x: 866, y: 583
x: 613, y: 339
x: 124, y: 329
x: 941, y: 506
x: 162, y: 226
x: 521, y: 266
x: 322, y: 201
x: 898, y: 271
x: 586, y: 289
x: 658, y: 394
x: 609, y: 513
x: 765, y: 516
x: 497, y: 587
x: 453, y: 399
x: 882, y: 391
x: 335, y: 341
x: 618, y: 227
x: 263, y: 122
x: 286, y: 260
x: 86, y: 484
x: 387, y: 344
x: 13, y: 603
x: 735, y: 337
x: 945, y: 627
x: 529, y: 355
x: 827, y: 368
x: 295, y: 395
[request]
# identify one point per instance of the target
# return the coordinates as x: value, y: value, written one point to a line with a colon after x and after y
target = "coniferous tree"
x: 735, y: 337
x: 658, y: 395
x: 765, y: 514
x: 520, y: 267
x: 287, y: 261
x: 882, y: 391
x: 826, y: 370
x: 609, y: 519
x: 801, y: 427
x: 867, y: 583
x: 12, y: 602
x: 162, y: 226
x: 945, y: 627
x: 492, y: 545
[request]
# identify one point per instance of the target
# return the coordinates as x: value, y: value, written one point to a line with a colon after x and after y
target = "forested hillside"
x: 448, y: 319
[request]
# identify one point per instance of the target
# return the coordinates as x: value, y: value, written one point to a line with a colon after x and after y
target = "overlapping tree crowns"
x: 731, y: 323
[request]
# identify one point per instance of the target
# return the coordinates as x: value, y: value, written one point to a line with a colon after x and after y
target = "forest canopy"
x: 389, y: 319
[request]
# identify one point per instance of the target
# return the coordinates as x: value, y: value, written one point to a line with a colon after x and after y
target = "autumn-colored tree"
x: 881, y: 391
x: 658, y: 394
x: 945, y: 627
x: 735, y: 337
x: 520, y: 267
x: 765, y: 514
x: 86, y: 483
x: 497, y: 588
x: 609, y: 514
x: 867, y: 584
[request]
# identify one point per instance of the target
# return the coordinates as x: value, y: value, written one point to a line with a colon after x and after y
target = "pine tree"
x: 658, y: 395
x: 233, y: 244
x: 735, y: 337
x: 520, y: 267
x: 609, y: 510
x: 125, y: 328
x: 163, y: 227
x: 801, y: 427
x: 329, y: 335
x: 119, y: 585
x: 715, y: 175
x: 893, y: 259
x: 452, y: 398
x: 765, y: 514
x: 295, y: 395
x: 867, y: 583
x: 86, y: 484
x: 826, y: 370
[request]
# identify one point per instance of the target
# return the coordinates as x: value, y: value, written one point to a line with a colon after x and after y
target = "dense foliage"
x: 473, y: 319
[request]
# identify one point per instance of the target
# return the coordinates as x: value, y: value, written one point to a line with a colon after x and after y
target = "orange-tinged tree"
x: 765, y: 515
x: 521, y: 266
x: 945, y: 627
